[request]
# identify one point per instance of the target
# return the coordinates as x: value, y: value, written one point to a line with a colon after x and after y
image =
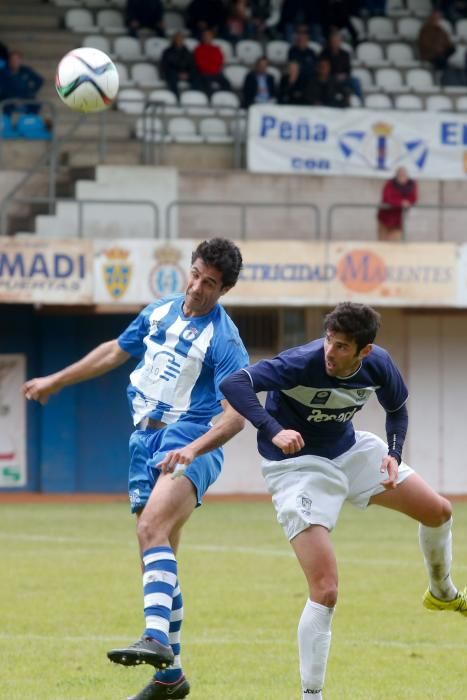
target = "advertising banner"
x: 12, y: 421
x: 324, y: 141
x: 45, y: 271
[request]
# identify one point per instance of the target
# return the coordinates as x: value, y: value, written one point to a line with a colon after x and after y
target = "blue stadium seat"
x: 7, y: 130
x: 32, y: 126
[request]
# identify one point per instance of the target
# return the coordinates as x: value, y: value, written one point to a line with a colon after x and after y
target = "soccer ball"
x: 86, y: 80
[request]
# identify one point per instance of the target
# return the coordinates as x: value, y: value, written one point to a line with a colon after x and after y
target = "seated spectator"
x: 3, y: 55
x: 19, y: 81
x: 259, y: 85
x: 324, y: 90
x: 341, y: 68
x: 301, y: 53
x: 238, y: 24
x: 293, y: 86
x: 209, y: 61
x: 205, y: 14
x: 399, y: 194
x: 434, y: 43
x: 337, y: 15
x: 147, y: 14
x: 307, y: 14
x: 177, y: 63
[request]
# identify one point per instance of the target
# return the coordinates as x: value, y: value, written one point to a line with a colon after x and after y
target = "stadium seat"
x: 380, y: 29
x: 390, y: 80
x: 178, y: 4
x: 225, y: 101
x: 173, y: 22
x: 248, y: 51
x: 80, y: 20
x: 401, y: 55
x: 378, y: 101
x: 277, y: 52
x: 355, y: 102
x: 366, y: 79
x: 408, y: 28
x: 370, y: 54
x: 32, y: 126
x: 420, y: 80
x: 95, y: 4
x: 457, y: 60
x: 97, y: 41
x: 421, y: 8
x: 461, y: 29
x: 131, y: 101
x: 123, y: 75
x: 226, y: 48
x: 167, y: 100
x: 396, y: 8
x: 191, y: 43
x: 408, y: 102
x: 183, y: 130
x: 439, y: 103
x: 7, y: 130
x: 235, y: 74
x: 461, y: 104
x: 111, y: 21
x: 149, y: 128
x: 214, y: 130
x: 276, y: 74
x: 145, y: 74
x: 195, y: 101
x: 154, y: 47
x: 127, y: 48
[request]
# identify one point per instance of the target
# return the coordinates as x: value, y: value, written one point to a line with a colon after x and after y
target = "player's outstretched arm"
x: 102, y: 359
x: 229, y: 424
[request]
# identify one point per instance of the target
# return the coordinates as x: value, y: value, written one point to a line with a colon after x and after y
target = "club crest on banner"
x: 382, y: 149
x: 168, y: 276
x: 116, y: 271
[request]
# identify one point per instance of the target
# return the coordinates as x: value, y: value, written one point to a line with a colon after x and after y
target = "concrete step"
x: 80, y: 154
x: 31, y: 20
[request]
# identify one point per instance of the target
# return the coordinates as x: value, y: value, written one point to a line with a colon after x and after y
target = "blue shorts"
x: 149, y: 447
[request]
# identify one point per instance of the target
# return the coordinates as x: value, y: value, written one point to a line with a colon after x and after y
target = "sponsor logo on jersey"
x: 320, y: 398
x: 190, y: 333
x: 318, y: 416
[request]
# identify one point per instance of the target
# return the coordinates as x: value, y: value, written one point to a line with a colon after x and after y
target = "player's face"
x: 203, y: 289
x: 341, y: 357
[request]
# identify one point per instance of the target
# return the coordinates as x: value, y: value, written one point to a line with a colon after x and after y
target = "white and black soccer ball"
x: 86, y: 80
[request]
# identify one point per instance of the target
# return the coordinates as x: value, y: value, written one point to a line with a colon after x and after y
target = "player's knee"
x: 325, y: 592
x: 440, y: 515
x: 147, y: 531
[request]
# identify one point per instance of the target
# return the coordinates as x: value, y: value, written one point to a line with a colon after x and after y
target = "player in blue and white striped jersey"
x: 313, y: 461
x: 186, y: 345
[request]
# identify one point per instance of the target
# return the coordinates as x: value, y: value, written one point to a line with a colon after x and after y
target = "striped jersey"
x: 303, y: 397
x: 182, y: 361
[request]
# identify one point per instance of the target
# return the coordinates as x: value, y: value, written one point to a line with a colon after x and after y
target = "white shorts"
x: 311, y: 490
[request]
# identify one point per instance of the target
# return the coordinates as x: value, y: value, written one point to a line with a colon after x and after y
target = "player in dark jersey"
x: 314, y: 460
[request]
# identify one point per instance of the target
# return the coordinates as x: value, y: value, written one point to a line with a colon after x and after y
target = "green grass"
x: 70, y: 589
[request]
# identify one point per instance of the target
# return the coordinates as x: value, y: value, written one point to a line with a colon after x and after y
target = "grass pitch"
x: 70, y: 589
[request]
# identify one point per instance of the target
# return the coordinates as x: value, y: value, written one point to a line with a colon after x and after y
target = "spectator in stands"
x: 301, y: 53
x: 177, y: 63
x: 209, y: 62
x: 434, y: 43
x: 293, y: 86
x: 323, y: 90
x: 259, y: 85
x: 21, y: 82
x: 261, y: 11
x: 341, y: 67
x: 399, y: 194
x: 205, y: 14
x: 147, y: 14
x: 337, y: 15
x: 307, y: 14
x: 238, y: 24
x: 375, y: 8
x: 3, y: 55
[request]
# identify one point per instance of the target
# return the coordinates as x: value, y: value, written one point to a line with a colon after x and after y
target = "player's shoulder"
x: 379, y: 358
x: 163, y: 301
x: 225, y: 330
x: 306, y: 353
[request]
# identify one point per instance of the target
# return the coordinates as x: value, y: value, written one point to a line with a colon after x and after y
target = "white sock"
x: 314, y: 640
x: 436, y: 545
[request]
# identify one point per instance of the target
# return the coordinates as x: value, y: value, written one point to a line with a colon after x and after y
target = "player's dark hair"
x: 358, y: 322
x: 223, y: 255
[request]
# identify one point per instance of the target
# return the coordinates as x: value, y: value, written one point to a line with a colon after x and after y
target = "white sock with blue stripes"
x: 159, y: 580
x: 176, y: 618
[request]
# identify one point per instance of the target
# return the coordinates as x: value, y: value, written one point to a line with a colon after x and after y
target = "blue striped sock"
x: 159, y: 580
x: 172, y: 674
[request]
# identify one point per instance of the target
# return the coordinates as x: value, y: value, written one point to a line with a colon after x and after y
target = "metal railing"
x: 243, y: 207
x: 80, y: 204
x: 439, y: 209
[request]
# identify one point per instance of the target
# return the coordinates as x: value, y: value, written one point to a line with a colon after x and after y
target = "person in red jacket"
x: 399, y: 194
x: 209, y: 61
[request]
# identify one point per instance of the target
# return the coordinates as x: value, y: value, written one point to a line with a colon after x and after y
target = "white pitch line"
x: 225, y: 641
x: 254, y: 551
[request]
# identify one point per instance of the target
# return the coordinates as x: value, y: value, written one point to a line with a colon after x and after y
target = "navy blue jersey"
x: 182, y: 361
x: 302, y: 397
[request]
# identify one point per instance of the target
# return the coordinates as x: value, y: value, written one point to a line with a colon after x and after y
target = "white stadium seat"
x: 277, y: 52
x: 111, y: 21
x: 236, y: 75
x: 408, y: 102
x: 380, y: 28
x: 131, y: 101
x: 173, y: 22
x: 146, y: 74
x: 214, y: 130
x: 154, y: 47
x: 97, y: 41
x: 420, y: 80
x: 195, y: 101
x: 421, y: 8
x: 183, y: 130
x: 224, y: 100
x: 378, y: 101
x: 226, y: 48
x: 439, y: 103
x: 401, y: 55
x: 149, y: 128
x: 390, y: 80
x: 248, y: 51
x: 408, y: 28
x: 461, y: 104
x: 366, y: 79
x: 371, y: 54
x: 80, y: 20
x: 127, y: 48
x: 123, y: 75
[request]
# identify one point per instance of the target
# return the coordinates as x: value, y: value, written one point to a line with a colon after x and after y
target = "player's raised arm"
x: 102, y: 359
